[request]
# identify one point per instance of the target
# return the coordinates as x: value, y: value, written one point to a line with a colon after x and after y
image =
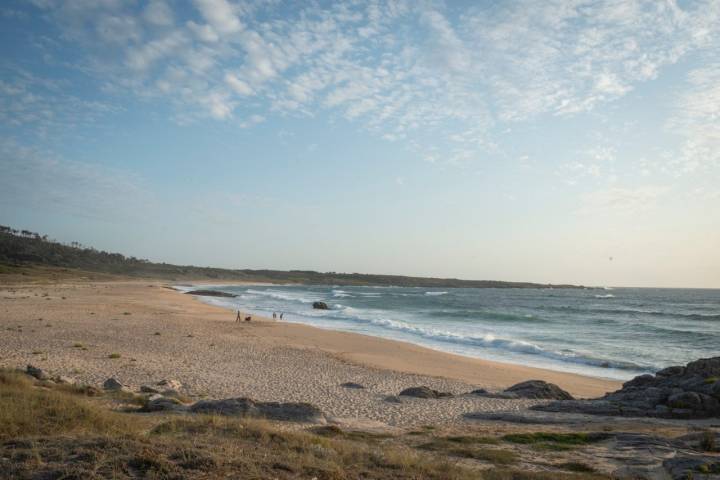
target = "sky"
x: 568, y: 141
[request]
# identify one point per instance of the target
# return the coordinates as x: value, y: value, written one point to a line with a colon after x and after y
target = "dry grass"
x: 64, y: 431
x: 28, y: 411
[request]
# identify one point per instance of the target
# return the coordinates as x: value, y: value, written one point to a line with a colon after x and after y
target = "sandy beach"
x: 72, y: 328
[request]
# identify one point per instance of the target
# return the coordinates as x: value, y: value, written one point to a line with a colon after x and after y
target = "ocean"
x: 611, y: 333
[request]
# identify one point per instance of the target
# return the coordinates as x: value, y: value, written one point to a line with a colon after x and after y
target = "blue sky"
x: 519, y: 140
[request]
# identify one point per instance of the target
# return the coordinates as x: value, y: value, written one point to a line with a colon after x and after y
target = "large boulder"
x: 423, y: 392
x: 320, y: 306
x: 691, y: 391
x: 539, y: 389
x: 245, y: 407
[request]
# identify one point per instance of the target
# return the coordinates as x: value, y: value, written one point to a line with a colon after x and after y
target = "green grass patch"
x: 566, y: 439
x: 114, y: 355
x: 473, y: 451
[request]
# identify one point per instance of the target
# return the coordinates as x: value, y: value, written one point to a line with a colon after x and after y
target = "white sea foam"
x: 436, y: 293
x: 609, y: 295
x: 285, y: 295
x: 487, y: 340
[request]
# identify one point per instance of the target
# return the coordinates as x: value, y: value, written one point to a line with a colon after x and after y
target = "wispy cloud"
x: 623, y: 200
x: 397, y: 68
x: 697, y: 120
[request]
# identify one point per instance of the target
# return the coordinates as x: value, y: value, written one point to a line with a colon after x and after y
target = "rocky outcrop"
x: 539, y: 389
x: 535, y: 389
x: 423, y: 392
x: 210, y: 293
x: 691, y: 391
x: 320, y: 306
x: 245, y: 407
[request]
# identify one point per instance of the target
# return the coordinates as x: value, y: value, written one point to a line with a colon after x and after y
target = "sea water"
x: 612, y: 333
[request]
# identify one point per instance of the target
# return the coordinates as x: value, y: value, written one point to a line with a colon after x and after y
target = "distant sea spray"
x: 618, y: 335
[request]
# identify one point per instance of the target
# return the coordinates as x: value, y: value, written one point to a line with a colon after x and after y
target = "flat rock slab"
x: 533, y: 417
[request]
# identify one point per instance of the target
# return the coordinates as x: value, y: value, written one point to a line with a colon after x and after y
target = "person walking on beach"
x: 274, y: 316
x: 237, y: 318
x: 281, y: 315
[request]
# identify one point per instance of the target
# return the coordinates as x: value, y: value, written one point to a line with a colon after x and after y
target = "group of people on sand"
x: 239, y: 317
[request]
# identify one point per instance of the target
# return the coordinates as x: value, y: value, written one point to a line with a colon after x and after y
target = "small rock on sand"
x: 170, y: 384
x: 36, y: 372
x: 424, y: 392
x: 352, y: 385
x: 64, y: 380
x: 112, y: 384
x: 158, y: 403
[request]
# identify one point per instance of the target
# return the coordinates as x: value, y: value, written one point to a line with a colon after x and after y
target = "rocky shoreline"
x: 683, y: 392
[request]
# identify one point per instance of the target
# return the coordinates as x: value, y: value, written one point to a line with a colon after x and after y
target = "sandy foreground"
x: 72, y: 329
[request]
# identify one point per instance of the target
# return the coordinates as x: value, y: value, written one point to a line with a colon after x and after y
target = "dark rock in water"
x: 320, y: 306
x: 36, y: 372
x: 479, y: 391
x: 423, y: 392
x: 692, y: 391
x: 210, y: 293
x: 245, y: 407
x: 539, y: 389
x: 352, y: 385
